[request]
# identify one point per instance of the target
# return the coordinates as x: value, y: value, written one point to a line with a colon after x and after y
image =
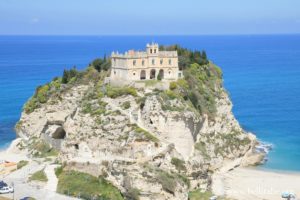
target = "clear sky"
x: 148, y: 17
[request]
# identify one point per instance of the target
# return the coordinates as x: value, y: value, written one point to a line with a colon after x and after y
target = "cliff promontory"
x: 149, y: 140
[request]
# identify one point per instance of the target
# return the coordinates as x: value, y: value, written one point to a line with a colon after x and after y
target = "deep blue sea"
x: 262, y: 75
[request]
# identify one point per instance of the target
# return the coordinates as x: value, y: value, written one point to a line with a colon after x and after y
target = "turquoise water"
x: 262, y: 75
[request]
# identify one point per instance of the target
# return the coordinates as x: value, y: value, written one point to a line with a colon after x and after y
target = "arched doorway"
x: 143, y: 75
x: 161, y: 74
x: 152, y: 74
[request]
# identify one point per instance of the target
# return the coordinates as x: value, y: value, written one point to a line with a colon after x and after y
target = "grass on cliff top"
x: 39, y: 176
x: 85, y: 186
x: 114, y: 92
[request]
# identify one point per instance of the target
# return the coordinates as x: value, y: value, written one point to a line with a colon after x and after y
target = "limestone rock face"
x: 137, y: 142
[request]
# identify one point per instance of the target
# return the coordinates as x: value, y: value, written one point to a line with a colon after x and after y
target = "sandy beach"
x: 11, y: 154
x: 256, y: 184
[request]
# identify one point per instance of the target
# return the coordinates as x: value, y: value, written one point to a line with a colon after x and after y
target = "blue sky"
x: 148, y: 17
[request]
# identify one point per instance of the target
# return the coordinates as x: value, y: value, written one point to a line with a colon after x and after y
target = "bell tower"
x: 152, y: 49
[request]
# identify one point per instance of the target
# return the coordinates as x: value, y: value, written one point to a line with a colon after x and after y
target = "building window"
x: 133, y: 74
x: 179, y: 75
x: 150, y: 50
x: 161, y: 61
x: 170, y: 61
x: 143, y: 62
x: 154, y: 50
x: 169, y: 72
x: 115, y: 72
x: 153, y: 62
x: 134, y: 62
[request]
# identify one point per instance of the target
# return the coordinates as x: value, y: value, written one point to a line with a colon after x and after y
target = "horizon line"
x: 187, y: 35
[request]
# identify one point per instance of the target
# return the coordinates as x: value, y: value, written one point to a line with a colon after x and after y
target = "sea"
x: 261, y: 74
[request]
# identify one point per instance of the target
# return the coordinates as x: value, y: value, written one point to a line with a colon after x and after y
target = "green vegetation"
x: 168, y: 181
x: 179, y: 164
x: 22, y: 164
x: 96, y: 109
x: 133, y: 194
x: 126, y: 105
x: 76, y: 184
x: 69, y: 75
x: 173, y: 85
x: 187, y: 57
x: 101, y: 64
x: 114, y: 92
x: 198, y: 195
x: 202, y: 80
x: 39, y: 176
x: 231, y: 142
x: 144, y: 135
x: 201, y: 146
x: 41, y: 149
x: 58, y: 171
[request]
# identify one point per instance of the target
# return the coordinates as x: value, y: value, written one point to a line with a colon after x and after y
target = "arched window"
x: 152, y: 74
x: 143, y: 62
x: 134, y: 62
x: 170, y: 61
x: 153, y: 62
x: 150, y: 50
x: 161, y: 61
x: 143, y: 75
x: 154, y: 50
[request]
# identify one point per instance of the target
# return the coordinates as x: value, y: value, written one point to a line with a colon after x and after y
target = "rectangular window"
x: 134, y: 62
x: 153, y: 62
x: 161, y: 61
x: 170, y: 61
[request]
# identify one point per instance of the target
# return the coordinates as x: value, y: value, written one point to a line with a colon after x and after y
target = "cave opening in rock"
x: 59, y: 133
x: 151, y: 121
x: 76, y: 146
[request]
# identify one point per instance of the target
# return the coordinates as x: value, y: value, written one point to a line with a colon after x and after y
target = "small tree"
x: 65, y: 77
x: 159, y: 77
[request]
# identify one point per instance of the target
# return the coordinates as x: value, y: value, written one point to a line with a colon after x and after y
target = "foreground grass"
x: 198, y: 195
x: 77, y: 184
x: 39, y: 176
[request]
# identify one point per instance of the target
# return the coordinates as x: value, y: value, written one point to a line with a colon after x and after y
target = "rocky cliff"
x: 160, y: 141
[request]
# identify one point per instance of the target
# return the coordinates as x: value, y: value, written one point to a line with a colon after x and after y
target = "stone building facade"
x: 145, y: 65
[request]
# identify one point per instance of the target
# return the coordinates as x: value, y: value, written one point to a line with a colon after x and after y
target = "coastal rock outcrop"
x: 161, y: 142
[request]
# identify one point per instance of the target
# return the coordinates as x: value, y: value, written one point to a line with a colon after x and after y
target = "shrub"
x: 133, y: 194
x: 41, y: 93
x: 179, y: 164
x: 58, y: 171
x: 126, y: 105
x: 22, y: 164
x: 144, y: 135
x: 114, y: 92
x: 167, y: 181
x: 173, y: 86
x: 69, y: 75
x: 171, y: 94
x: 39, y: 176
x: 42, y: 149
x: 101, y: 64
x: 159, y: 77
